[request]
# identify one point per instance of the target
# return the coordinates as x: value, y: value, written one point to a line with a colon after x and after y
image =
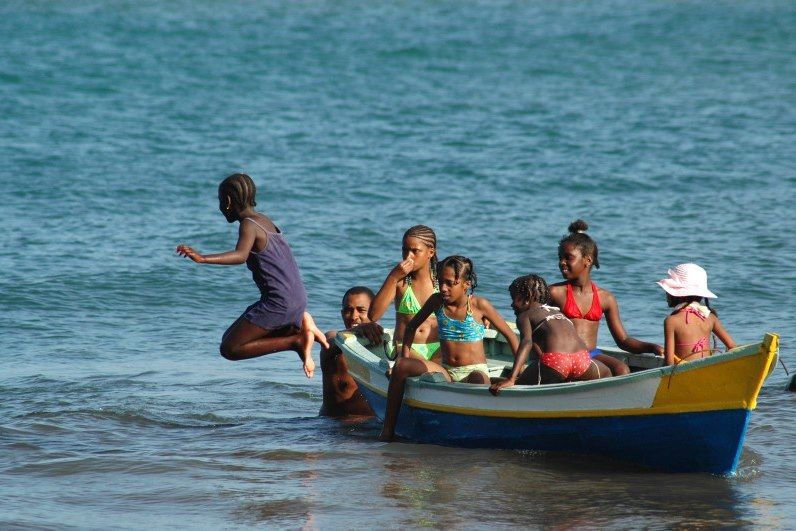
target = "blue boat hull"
x: 655, y: 440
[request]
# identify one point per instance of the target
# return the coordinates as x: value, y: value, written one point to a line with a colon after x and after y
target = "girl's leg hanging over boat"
x: 403, y: 369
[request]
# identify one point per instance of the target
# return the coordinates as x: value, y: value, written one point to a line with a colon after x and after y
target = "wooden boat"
x: 691, y: 417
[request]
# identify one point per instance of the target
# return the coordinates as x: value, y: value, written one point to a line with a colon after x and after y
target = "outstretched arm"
x: 525, y: 346
x: 433, y: 302
x: 386, y: 294
x: 621, y: 337
x: 246, y: 234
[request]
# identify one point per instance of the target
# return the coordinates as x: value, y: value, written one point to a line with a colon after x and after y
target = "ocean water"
x: 668, y: 126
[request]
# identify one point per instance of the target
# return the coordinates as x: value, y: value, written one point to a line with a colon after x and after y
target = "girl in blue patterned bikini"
x: 408, y: 286
x: 460, y: 320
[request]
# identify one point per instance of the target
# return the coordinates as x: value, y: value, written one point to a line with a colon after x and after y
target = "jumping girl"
x: 460, y: 317
x: 686, y: 288
x: 560, y: 355
x: 408, y: 286
x: 585, y: 303
x: 278, y: 321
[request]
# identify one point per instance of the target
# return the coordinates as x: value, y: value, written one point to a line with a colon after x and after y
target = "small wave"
x: 750, y: 466
x: 131, y: 417
x: 286, y: 454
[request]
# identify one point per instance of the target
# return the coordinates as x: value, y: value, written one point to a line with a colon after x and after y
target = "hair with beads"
x: 358, y: 290
x: 532, y: 287
x: 428, y: 237
x: 463, y: 269
x: 577, y: 236
x: 240, y: 189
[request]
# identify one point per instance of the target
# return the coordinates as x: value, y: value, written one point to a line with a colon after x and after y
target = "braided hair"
x: 240, y: 189
x: 429, y: 238
x: 463, y: 269
x: 577, y: 237
x: 531, y: 287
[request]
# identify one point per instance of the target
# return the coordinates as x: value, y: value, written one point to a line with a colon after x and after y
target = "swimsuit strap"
x: 557, y: 315
x: 692, y: 308
x: 702, y: 313
x: 267, y: 233
x: 697, y: 346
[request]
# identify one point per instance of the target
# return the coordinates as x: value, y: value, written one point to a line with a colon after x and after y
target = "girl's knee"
x: 620, y: 369
x: 405, y: 367
x: 478, y: 377
x: 228, y: 352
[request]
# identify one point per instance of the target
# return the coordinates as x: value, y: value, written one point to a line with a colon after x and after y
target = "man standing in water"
x: 341, y: 396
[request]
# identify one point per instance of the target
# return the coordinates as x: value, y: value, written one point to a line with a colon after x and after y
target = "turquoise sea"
x: 667, y: 125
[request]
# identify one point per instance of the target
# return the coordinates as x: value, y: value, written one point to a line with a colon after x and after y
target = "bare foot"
x: 308, y: 323
x: 385, y: 437
x: 309, y: 367
x: 305, y: 340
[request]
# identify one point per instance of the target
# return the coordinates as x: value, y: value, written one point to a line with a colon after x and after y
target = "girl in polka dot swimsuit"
x: 559, y: 354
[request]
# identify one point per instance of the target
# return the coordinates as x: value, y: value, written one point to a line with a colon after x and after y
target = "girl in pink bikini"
x: 585, y: 303
x: 687, y: 330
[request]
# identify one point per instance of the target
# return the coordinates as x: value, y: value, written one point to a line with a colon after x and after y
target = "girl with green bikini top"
x: 408, y: 286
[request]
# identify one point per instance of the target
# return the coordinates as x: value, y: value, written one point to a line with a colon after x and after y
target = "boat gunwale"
x: 350, y: 343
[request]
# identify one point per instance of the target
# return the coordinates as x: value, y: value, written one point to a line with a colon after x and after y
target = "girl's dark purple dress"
x: 283, y: 299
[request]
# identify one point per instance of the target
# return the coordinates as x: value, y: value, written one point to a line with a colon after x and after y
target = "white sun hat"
x: 687, y: 280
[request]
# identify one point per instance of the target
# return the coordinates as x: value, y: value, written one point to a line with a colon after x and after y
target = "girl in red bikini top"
x: 687, y: 330
x: 585, y: 303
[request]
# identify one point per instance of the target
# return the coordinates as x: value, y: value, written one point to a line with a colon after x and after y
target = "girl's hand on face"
x: 403, y: 268
x: 189, y: 252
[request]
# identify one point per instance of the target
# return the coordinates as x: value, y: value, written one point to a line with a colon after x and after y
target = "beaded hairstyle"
x: 463, y: 269
x: 577, y: 236
x: 532, y: 287
x: 240, y: 189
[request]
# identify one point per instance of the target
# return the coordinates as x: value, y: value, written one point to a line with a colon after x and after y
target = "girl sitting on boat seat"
x: 408, y: 286
x: 577, y: 254
x: 559, y: 354
x: 460, y: 317
x: 688, y: 329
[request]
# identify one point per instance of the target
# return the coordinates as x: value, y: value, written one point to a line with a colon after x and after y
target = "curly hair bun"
x: 578, y: 226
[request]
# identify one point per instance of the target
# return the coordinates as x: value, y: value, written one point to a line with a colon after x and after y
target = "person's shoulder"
x: 480, y: 302
x: 558, y: 291
x: 527, y: 315
x: 606, y: 296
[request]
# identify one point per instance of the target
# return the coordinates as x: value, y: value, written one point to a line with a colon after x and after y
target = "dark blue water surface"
x: 668, y: 126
